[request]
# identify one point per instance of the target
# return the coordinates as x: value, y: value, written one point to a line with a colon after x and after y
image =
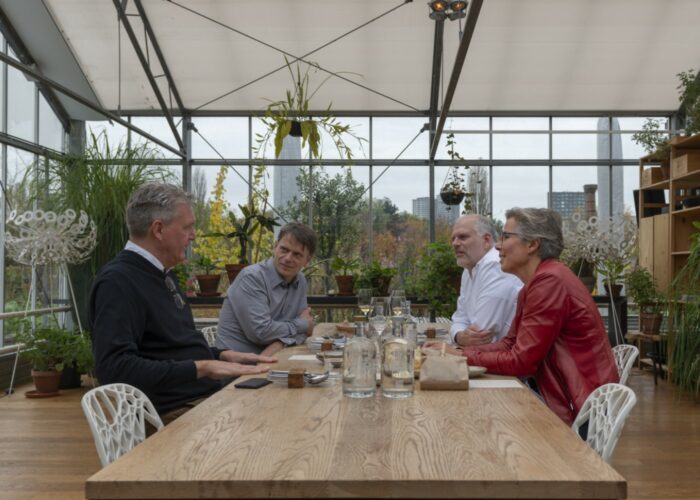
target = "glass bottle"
x: 359, y: 365
x: 397, y: 364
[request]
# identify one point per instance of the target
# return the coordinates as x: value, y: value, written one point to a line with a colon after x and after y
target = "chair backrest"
x: 117, y: 414
x: 625, y: 355
x: 605, y: 410
x: 209, y: 333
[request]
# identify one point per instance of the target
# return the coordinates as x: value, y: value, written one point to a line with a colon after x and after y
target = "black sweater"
x: 141, y: 338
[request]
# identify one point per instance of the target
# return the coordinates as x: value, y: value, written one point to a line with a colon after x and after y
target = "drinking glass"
x: 397, y: 297
x: 359, y: 368
x: 364, y: 300
x: 397, y: 368
x: 377, y: 316
x: 380, y: 303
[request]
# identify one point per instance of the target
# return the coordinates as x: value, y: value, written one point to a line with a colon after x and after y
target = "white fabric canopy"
x: 526, y: 55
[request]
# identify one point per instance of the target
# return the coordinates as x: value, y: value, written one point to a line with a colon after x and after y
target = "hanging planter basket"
x: 295, y: 131
x: 452, y: 197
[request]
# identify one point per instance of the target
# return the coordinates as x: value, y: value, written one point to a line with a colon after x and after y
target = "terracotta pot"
x: 232, y: 271
x: 208, y: 284
x: 46, y: 382
x: 650, y: 323
x: 345, y: 284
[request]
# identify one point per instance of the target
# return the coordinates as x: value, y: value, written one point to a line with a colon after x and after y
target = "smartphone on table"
x: 252, y: 383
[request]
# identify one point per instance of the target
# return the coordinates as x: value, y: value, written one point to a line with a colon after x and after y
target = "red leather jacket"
x: 557, y: 336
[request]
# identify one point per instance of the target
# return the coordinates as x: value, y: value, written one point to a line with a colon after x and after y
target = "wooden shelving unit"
x: 664, y: 238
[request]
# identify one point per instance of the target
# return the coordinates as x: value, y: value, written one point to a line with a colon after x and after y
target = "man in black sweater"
x: 142, y: 328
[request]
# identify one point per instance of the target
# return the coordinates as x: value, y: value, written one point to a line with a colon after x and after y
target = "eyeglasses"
x: 170, y: 285
x: 505, y: 235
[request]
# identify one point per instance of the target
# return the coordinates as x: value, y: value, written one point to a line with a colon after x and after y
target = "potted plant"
x: 685, y: 345
x: 439, y: 278
x: 207, y: 280
x: 613, y: 272
x: 643, y: 291
x: 244, y: 229
x: 585, y: 272
x: 453, y: 191
x: 292, y: 116
x: 654, y: 140
x: 50, y: 349
x: 343, y: 269
x: 377, y: 277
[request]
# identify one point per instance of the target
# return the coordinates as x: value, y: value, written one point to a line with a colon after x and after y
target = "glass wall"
x: 379, y: 206
x: 27, y: 116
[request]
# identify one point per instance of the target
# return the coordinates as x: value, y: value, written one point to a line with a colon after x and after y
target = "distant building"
x: 568, y: 202
x: 284, y: 177
x: 421, y: 209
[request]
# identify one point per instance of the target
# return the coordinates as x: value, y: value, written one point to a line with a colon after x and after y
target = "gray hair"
x: 541, y: 224
x: 482, y: 225
x: 153, y: 201
x: 302, y: 233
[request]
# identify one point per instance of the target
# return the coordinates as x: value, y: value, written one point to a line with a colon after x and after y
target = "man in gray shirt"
x: 265, y: 308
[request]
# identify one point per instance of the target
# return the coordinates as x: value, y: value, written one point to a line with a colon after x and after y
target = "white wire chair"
x: 605, y: 410
x: 209, y: 333
x: 117, y: 414
x: 625, y: 355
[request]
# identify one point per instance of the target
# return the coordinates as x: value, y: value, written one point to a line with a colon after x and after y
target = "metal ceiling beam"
x: 149, y: 74
x: 85, y: 102
x: 161, y: 58
x: 469, y: 25
x: 25, y: 57
x: 435, y: 76
x: 31, y: 147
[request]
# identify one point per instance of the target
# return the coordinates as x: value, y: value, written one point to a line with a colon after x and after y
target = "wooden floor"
x: 46, y: 450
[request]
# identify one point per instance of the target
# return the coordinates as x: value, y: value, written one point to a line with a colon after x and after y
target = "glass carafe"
x: 397, y: 367
x: 359, y: 366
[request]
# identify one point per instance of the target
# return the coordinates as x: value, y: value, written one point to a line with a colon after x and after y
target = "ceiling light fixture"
x: 443, y: 9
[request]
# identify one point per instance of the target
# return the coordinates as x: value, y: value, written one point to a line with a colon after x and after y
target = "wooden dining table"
x: 495, y: 440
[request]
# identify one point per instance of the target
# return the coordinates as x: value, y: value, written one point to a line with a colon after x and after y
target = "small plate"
x: 335, y: 358
x: 476, y: 371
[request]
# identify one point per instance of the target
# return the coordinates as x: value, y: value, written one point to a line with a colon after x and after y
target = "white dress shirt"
x: 133, y: 247
x: 487, y: 298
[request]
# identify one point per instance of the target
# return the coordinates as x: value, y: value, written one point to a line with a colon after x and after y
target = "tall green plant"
x: 100, y: 182
x: 436, y: 271
x: 685, y: 354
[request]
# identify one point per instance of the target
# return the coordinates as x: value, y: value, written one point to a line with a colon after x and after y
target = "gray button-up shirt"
x: 259, y: 308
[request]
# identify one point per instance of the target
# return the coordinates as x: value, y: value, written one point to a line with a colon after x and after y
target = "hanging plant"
x: 453, y: 190
x: 291, y: 116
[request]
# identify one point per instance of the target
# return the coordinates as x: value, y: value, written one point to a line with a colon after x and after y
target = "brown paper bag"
x: 442, y: 371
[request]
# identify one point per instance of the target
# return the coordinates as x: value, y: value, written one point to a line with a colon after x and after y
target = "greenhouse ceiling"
x: 555, y: 56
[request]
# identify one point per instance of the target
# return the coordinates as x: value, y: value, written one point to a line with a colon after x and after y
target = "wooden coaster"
x: 38, y: 395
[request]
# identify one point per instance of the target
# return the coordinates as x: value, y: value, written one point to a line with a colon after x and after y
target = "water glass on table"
x: 396, y: 299
x: 364, y: 300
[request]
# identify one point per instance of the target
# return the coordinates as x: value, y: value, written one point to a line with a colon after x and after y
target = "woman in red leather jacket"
x: 557, y: 335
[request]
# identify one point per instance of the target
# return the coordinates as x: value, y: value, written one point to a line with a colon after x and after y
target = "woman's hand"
x: 439, y: 345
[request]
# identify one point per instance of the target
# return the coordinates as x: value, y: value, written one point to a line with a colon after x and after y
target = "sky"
x: 512, y: 185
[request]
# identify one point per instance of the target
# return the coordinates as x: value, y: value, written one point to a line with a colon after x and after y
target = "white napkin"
x: 495, y: 384
x: 303, y: 357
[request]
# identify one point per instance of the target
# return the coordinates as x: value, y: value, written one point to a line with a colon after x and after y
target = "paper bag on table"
x: 442, y: 371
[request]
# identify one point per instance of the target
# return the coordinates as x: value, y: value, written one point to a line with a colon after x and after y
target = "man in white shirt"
x: 488, y: 296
